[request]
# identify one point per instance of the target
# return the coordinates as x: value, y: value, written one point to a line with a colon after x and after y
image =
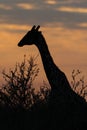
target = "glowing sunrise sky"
x: 64, y: 26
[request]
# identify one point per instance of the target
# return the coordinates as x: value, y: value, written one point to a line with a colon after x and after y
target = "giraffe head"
x: 31, y: 37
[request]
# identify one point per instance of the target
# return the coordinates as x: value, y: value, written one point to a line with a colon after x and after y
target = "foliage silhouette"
x: 21, y: 105
x: 78, y: 83
x: 18, y: 91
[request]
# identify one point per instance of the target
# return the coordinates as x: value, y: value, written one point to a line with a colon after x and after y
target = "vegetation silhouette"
x: 78, y: 83
x: 20, y: 105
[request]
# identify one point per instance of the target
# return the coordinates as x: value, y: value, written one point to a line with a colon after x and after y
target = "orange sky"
x: 68, y: 47
x: 63, y: 29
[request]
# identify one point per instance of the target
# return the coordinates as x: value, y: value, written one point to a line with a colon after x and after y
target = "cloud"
x: 5, y: 7
x: 26, y: 6
x: 69, y: 13
x: 72, y: 9
x: 51, y: 2
x: 83, y: 25
x: 12, y: 27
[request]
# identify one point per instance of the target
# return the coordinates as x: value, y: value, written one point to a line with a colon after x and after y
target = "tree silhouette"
x: 78, y: 83
x: 18, y: 91
x: 20, y: 103
x: 19, y: 84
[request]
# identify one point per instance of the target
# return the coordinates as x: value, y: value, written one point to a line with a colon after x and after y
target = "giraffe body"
x: 65, y: 105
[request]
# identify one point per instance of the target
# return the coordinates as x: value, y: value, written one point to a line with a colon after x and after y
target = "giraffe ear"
x: 33, y: 28
x: 37, y: 27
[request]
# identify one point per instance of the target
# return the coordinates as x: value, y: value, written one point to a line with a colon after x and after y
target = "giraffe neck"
x: 53, y: 73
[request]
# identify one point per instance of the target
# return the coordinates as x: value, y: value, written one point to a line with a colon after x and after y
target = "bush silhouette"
x: 78, y: 83
x: 18, y: 91
x: 21, y: 106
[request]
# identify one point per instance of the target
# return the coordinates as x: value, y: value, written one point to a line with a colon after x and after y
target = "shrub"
x: 18, y: 87
x: 78, y: 83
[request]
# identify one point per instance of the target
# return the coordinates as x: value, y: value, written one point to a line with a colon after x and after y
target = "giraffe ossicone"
x: 34, y: 28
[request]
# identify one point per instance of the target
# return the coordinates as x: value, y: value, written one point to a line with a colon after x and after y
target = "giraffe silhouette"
x: 65, y: 106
